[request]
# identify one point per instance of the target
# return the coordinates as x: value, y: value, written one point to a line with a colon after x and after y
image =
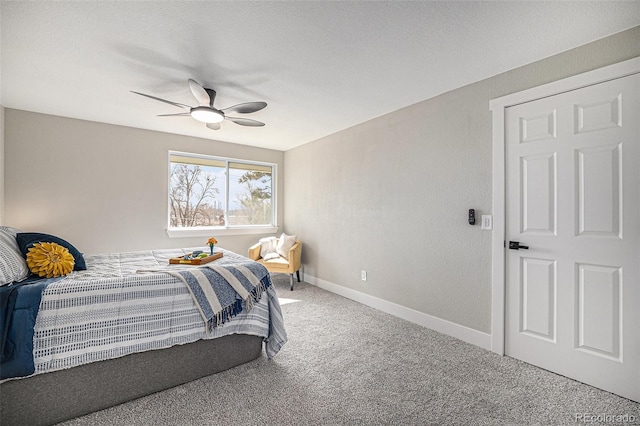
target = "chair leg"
x: 298, y: 274
x: 291, y: 280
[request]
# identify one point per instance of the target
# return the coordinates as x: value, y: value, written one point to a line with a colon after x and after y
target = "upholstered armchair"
x: 278, y: 263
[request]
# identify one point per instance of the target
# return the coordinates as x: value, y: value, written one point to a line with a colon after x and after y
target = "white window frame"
x: 203, y: 231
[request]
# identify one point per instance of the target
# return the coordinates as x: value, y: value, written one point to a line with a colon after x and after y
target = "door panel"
x: 599, y: 314
x: 598, y: 115
x: 538, y: 194
x: 598, y: 176
x: 538, y: 128
x: 538, y: 298
x: 573, y: 197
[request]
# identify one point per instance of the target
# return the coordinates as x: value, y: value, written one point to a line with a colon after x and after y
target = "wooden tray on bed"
x: 181, y: 260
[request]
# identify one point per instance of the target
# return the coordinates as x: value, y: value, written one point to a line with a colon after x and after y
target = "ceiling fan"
x: 207, y: 113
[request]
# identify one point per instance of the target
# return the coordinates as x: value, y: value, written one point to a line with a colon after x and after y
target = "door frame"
x: 498, y: 108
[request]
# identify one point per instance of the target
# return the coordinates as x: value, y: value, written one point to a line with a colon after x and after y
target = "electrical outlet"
x: 363, y: 275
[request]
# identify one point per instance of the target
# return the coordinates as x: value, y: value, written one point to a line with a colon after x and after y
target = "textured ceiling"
x: 321, y: 66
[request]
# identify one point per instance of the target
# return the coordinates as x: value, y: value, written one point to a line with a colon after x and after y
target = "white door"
x: 573, y: 197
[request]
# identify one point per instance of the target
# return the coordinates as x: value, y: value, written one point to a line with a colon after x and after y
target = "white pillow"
x: 284, y: 245
x: 13, y: 267
x: 267, y: 246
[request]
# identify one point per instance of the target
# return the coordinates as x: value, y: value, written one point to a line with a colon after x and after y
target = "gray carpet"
x: 348, y: 364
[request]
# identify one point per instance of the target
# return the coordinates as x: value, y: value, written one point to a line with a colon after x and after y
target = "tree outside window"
x: 252, y: 194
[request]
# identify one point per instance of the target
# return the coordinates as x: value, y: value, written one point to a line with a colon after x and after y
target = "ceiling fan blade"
x: 199, y: 93
x: 180, y: 114
x: 246, y: 107
x: 213, y: 126
x: 245, y: 121
x: 162, y: 100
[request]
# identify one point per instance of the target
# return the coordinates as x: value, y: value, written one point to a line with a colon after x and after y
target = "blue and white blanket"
x: 222, y: 291
x: 109, y: 311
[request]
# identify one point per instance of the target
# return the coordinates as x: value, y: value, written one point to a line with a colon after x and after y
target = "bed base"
x: 62, y: 395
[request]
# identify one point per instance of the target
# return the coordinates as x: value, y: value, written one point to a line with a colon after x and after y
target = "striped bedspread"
x: 110, y: 311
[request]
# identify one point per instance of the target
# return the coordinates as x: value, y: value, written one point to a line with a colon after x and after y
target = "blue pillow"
x: 26, y: 240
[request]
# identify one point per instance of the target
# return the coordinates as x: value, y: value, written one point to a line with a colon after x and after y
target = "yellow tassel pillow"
x: 49, y: 260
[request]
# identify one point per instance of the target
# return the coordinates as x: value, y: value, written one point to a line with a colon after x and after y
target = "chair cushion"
x: 278, y: 264
x: 284, y: 244
x: 277, y: 261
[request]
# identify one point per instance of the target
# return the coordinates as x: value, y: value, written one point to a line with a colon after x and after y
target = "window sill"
x: 209, y: 231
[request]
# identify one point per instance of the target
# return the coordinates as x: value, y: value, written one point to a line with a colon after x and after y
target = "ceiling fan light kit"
x: 207, y: 113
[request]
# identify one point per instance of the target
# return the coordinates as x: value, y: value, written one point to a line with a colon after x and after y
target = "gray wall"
x: 391, y: 195
x: 104, y: 187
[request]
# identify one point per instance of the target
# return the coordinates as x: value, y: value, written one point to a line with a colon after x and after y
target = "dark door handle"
x: 515, y: 245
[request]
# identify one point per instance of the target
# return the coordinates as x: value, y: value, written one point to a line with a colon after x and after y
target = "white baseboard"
x: 449, y: 328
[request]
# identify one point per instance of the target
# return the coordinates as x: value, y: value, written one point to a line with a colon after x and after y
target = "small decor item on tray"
x: 212, y: 242
x: 195, y: 258
x: 198, y: 254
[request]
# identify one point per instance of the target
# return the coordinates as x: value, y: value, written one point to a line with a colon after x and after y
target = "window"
x: 207, y: 191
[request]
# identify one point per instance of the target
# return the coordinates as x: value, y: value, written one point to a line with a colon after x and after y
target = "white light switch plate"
x: 487, y: 221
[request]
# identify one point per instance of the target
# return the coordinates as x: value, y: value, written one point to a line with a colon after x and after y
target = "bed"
x: 126, y: 328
